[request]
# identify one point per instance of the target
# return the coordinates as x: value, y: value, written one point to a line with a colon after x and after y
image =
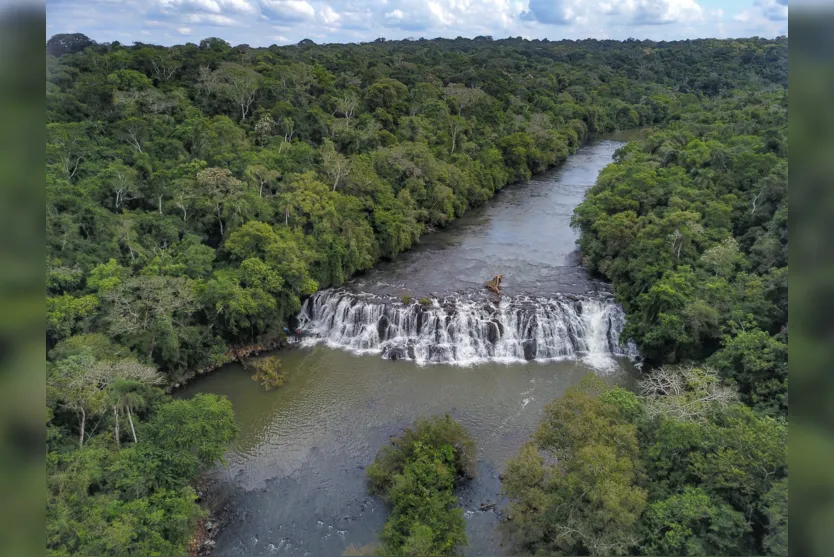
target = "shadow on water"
x: 295, y: 476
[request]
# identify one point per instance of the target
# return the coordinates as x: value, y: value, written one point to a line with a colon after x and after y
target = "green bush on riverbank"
x: 610, y: 473
x: 690, y: 226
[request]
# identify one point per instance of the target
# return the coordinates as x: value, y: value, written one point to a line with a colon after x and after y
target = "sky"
x: 268, y: 22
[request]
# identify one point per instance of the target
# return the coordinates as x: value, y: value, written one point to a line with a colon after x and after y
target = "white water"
x: 465, y: 330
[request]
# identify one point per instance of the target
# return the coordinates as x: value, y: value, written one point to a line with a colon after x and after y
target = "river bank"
x: 233, y: 355
x: 429, y: 277
x: 295, y: 476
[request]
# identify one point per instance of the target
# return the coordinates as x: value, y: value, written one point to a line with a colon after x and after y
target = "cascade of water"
x: 466, y: 331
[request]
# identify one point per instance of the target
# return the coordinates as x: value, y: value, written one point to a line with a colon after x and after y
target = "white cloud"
x: 621, y: 12
x: 260, y: 22
x: 211, y: 19
x: 288, y: 10
x: 210, y: 6
x: 169, y: 6
x: 240, y: 6
x: 328, y: 15
x: 764, y: 18
x: 451, y: 17
x: 184, y: 30
x: 774, y: 10
x: 442, y: 15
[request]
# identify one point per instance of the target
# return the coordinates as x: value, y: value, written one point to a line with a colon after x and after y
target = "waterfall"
x: 469, y: 330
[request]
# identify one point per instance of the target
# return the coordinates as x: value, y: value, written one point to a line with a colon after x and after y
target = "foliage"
x: 268, y: 372
x: 574, y: 488
x: 651, y: 480
x: 417, y: 475
x: 691, y: 523
x: 690, y: 226
x: 775, y: 510
x: 436, y: 432
x: 136, y: 500
x: 196, y: 193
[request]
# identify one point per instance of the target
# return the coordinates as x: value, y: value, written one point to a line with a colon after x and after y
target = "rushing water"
x: 370, y: 364
x: 466, y: 331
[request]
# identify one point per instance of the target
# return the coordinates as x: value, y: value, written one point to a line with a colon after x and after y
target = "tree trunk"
x: 116, y: 414
x: 159, y: 203
x: 83, y: 423
x: 132, y: 429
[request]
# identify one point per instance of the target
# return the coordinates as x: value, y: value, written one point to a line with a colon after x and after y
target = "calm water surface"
x: 523, y: 232
x: 295, y: 476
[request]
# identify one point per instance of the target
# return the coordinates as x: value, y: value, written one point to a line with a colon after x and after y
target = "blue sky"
x: 267, y: 22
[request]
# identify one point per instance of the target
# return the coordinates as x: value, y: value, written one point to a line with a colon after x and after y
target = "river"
x: 370, y: 365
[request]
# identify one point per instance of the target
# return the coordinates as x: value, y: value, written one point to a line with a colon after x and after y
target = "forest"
x: 690, y: 226
x: 196, y: 193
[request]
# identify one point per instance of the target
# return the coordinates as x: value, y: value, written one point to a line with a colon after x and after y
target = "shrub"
x: 434, y: 432
x: 417, y: 475
x: 268, y: 372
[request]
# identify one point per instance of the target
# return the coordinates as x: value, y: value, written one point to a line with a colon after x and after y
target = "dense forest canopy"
x: 609, y: 472
x: 196, y: 193
x: 690, y: 225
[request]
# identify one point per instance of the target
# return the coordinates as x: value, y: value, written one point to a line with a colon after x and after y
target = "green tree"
x: 775, y: 510
x: 574, y: 488
x: 151, y: 312
x: 692, y: 524
x: 268, y: 372
x: 417, y: 474
x: 75, y: 382
x: 188, y: 436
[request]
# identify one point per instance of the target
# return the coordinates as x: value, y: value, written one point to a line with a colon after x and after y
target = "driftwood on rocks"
x: 495, y: 284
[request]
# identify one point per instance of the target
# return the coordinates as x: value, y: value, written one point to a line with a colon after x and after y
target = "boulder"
x: 382, y: 327
x: 530, y: 349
